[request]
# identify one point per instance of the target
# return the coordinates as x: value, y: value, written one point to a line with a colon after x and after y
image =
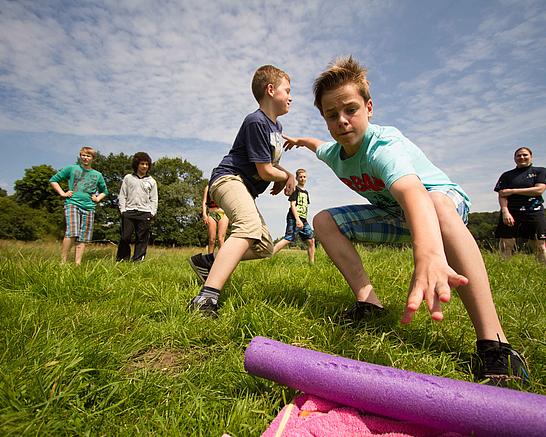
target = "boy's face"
x: 346, y: 115
x: 301, y: 178
x: 281, y: 96
x: 143, y: 167
x: 86, y: 158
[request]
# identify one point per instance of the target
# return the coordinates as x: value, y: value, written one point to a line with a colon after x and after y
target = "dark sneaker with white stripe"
x: 205, y: 305
x: 362, y: 310
x: 499, y: 363
x: 201, y: 266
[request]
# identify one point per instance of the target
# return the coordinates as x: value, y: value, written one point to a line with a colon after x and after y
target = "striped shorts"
x: 378, y: 225
x: 79, y: 223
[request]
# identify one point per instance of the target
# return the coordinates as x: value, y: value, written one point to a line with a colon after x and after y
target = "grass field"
x: 111, y: 349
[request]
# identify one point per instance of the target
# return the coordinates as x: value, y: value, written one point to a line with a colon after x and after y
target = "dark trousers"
x: 139, y: 223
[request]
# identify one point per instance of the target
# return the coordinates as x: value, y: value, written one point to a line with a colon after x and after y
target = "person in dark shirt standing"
x: 522, y: 206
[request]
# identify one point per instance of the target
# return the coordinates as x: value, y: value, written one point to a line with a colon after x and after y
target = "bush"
x: 21, y: 222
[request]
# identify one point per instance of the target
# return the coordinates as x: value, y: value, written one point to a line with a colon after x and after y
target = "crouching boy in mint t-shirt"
x: 411, y: 200
x: 86, y: 188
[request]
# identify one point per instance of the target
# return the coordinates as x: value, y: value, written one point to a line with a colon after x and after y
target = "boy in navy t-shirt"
x: 244, y: 173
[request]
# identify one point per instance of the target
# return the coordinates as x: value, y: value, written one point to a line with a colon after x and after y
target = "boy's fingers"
x: 457, y: 281
x: 413, y: 303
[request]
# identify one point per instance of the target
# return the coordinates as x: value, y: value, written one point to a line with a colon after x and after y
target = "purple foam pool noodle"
x: 441, y: 403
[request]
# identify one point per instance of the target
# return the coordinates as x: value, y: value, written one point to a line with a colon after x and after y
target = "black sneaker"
x: 205, y: 305
x: 200, y: 265
x: 499, y: 363
x: 362, y: 310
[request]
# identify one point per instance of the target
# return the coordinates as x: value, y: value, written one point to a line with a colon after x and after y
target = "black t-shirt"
x: 301, y: 197
x: 259, y: 141
x: 525, y: 177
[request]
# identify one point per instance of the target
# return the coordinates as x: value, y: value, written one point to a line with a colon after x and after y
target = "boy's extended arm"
x: 275, y: 173
x: 432, y: 277
x: 311, y: 143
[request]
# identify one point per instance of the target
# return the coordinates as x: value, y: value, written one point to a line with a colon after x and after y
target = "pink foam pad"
x: 441, y: 403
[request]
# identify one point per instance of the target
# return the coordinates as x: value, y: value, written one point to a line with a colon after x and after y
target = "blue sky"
x: 465, y: 80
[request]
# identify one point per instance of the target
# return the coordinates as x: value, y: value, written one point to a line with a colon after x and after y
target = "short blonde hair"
x: 265, y: 75
x: 340, y: 72
x: 300, y: 170
x: 90, y: 150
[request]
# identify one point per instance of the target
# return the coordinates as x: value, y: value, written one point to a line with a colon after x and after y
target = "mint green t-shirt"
x: 83, y: 183
x: 384, y: 157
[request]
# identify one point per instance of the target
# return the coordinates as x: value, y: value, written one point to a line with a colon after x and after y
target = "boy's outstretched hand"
x: 432, y: 284
x: 311, y: 143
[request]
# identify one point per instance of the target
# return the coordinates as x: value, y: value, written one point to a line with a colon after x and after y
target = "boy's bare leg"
x: 539, y: 249
x: 311, y: 250
x: 345, y: 257
x: 65, y: 248
x: 211, y: 224
x: 280, y: 245
x: 228, y: 257
x: 464, y: 256
x: 506, y: 247
x: 80, y: 248
x: 222, y: 229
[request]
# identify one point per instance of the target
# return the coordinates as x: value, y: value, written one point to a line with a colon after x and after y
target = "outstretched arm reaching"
x: 311, y: 143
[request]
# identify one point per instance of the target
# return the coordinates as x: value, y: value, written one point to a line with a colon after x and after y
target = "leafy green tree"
x: 35, y: 190
x: 180, y: 187
x: 482, y: 226
x: 21, y: 222
x: 3, y: 193
x: 113, y: 167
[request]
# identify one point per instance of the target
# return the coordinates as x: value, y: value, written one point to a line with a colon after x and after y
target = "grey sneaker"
x: 205, y: 305
x: 201, y: 266
x: 499, y: 363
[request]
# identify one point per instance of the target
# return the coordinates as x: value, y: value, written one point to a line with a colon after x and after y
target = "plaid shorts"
x: 292, y: 231
x: 79, y: 223
x: 378, y: 225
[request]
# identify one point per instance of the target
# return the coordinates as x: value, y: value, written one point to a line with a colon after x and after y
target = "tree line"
x: 35, y: 211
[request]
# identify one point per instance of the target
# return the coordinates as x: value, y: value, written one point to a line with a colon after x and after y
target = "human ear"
x: 270, y: 89
x: 369, y: 106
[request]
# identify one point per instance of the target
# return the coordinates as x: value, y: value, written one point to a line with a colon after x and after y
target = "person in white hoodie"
x: 137, y: 203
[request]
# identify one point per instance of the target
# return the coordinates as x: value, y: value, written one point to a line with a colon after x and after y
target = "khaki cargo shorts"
x: 230, y: 193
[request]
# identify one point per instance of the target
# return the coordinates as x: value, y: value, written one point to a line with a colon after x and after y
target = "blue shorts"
x: 374, y: 224
x: 305, y: 233
x: 79, y: 223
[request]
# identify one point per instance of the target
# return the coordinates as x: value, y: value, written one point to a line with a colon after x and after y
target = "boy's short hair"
x: 300, y: 170
x: 141, y: 157
x: 90, y: 150
x: 340, y: 72
x: 265, y: 75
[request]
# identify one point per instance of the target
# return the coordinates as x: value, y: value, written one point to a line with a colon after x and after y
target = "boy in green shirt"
x: 86, y: 188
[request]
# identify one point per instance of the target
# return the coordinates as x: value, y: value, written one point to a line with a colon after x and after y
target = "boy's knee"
x: 323, y: 222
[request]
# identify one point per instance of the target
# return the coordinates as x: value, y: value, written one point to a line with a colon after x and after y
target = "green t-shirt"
x: 83, y: 183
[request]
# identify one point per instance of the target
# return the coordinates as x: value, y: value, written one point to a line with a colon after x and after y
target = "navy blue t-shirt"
x: 259, y: 141
x: 523, y: 177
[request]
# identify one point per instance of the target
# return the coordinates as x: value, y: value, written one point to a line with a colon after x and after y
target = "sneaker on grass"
x: 205, y: 305
x: 201, y: 265
x: 499, y: 363
x: 362, y: 310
